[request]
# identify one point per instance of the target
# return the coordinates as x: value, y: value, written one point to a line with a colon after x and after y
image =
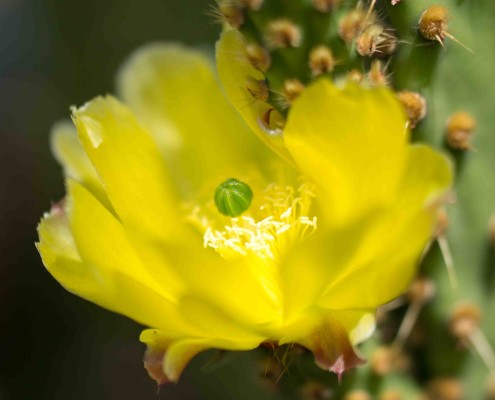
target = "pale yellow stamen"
x: 279, y: 221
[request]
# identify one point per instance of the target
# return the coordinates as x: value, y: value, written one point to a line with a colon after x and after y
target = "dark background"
x: 54, y: 54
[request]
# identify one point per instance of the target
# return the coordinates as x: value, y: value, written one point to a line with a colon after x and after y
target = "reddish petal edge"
x: 153, y: 363
x: 332, y: 349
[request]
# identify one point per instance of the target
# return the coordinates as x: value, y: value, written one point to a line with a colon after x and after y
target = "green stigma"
x: 233, y: 197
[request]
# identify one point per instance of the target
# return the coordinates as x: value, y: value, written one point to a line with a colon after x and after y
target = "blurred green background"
x: 54, y: 54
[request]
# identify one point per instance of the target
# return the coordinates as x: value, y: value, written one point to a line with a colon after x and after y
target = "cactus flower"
x: 333, y: 228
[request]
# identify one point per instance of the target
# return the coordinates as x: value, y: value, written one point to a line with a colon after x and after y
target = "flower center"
x: 273, y: 224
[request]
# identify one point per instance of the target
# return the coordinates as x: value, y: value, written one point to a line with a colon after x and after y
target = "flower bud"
x: 233, y: 197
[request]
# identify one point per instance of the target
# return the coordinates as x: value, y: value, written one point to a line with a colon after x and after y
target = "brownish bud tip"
x: 414, y: 105
x: 391, y: 394
x: 254, y: 5
x: 321, y: 60
x: 422, y: 290
x: 460, y: 127
x: 445, y: 389
x: 325, y: 6
x: 258, y: 89
x: 375, y: 39
x: 465, y: 318
x: 353, y: 23
x: 357, y: 395
x: 283, y: 33
x: 232, y: 14
x: 377, y: 74
x: 433, y: 23
x: 258, y: 57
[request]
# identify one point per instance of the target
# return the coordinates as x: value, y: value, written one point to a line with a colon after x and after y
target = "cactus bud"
x: 433, y: 23
x: 422, y: 290
x: 375, y: 39
x: 233, y: 197
x: 383, y: 360
x: 258, y: 89
x: 354, y: 76
x: 442, y: 222
x: 325, y: 6
x: 258, y: 57
x: 353, y: 23
x: 391, y: 394
x: 282, y: 33
x: 460, y: 127
x: 377, y: 74
x: 291, y: 91
x: 254, y: 5
x: 321, y: 60
x: 445, y: 389
x: 231, y: 13
x: 464, y: 320
x: 357, y: 395
x: 414, y: 105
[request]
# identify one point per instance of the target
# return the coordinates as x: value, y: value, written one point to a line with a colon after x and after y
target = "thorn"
x: 370, y: 10
x: 458, y: 42
x: 449, y: 261
x: 439, y: 40
x: 483, y: 347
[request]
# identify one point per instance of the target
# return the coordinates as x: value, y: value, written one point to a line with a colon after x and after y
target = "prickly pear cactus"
x: 436, y: 341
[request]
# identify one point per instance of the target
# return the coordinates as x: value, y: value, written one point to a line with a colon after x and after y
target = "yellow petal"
x: 173, y: 91
x: 86, y: 249
x: 235, y: 73
x: 387, y: 247
x: 231, y: 286
x: 70, y: 154
x: 166, y: 356
x: 352, y: 143
x: 130, y: 166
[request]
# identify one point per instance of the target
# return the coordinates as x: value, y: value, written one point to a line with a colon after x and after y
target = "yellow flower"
x: 335, y: 227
